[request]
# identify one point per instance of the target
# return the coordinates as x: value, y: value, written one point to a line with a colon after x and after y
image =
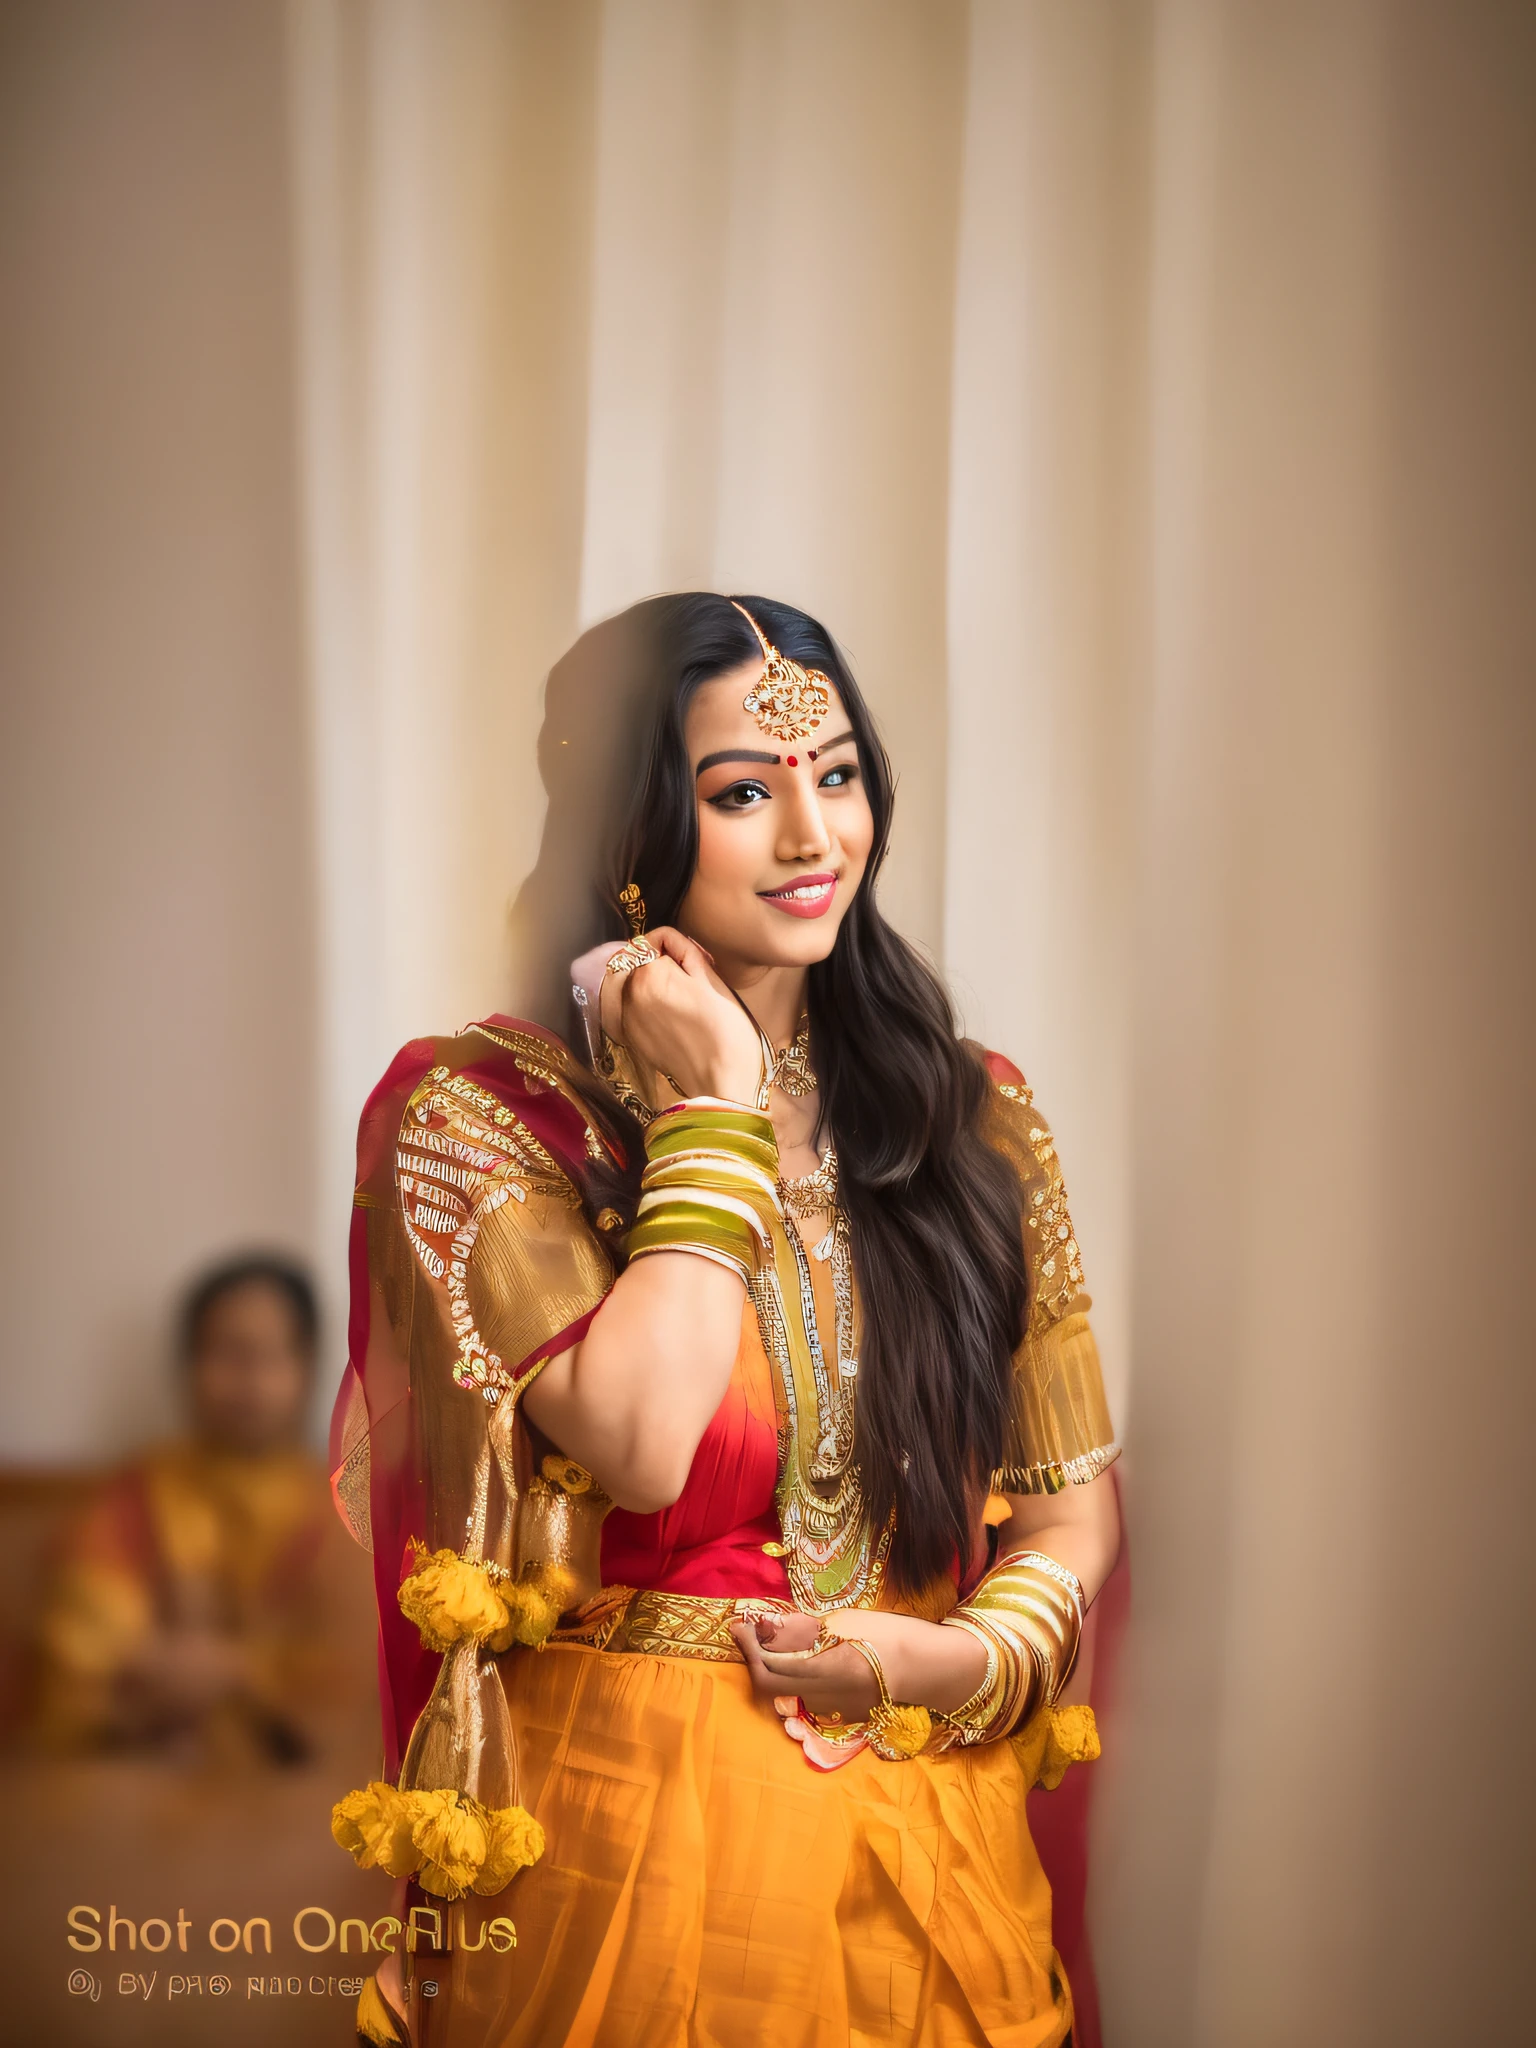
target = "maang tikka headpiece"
x: 788, y: 701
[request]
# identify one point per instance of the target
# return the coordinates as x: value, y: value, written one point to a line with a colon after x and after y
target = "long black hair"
x: 933, y: 1209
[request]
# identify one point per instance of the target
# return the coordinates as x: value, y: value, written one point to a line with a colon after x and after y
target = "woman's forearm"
x: 633, y: 1399
x: 929, y: 1665
x: 925, y: 1665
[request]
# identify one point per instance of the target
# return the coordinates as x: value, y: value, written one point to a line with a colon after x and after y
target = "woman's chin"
x: 794, y: 942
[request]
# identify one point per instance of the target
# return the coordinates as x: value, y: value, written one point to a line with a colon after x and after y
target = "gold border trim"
x: 1055, y: 1477
x: 650, y: 1623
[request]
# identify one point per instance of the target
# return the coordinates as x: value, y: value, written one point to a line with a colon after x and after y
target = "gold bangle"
x: 975, y: 1712
x: 1016, y: 1689
x: 1039, y: 1561
x: 1028, y: 1610
x: 1038, y: 1608
x: 896, y: 1733
x: 708, y: 1186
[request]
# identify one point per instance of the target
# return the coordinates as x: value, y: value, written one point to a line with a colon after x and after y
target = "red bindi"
x: 792, y: 761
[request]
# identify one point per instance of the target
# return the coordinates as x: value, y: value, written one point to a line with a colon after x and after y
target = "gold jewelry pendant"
x: 814, y: 1193
x: 788, y: 701
x: 791, y: 1070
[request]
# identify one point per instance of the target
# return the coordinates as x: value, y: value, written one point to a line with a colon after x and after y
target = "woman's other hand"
x: 924, y: 1664
x: 677, y: 1017
x: 836, y: 1684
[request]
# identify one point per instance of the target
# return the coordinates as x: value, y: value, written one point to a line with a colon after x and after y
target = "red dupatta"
x: 379, y: 1477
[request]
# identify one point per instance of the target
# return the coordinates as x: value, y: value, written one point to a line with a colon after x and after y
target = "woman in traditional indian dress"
x: 728, y: 1431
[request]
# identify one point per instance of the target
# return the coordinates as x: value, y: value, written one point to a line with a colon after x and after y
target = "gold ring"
x: 628, y: 958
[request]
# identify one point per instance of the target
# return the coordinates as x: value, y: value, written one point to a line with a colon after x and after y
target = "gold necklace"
x: 790, y: 1071
x: 814, y: 1193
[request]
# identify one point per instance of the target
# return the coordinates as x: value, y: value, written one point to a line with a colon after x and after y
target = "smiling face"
x: 785, y: 831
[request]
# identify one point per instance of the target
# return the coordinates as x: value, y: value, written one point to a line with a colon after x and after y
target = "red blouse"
x: 711, y: 1538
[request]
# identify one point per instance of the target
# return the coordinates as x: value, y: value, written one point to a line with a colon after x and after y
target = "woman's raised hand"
x: 677, y: 1016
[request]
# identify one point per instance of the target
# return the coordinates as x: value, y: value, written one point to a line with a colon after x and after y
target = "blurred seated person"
x: 208, y: 1602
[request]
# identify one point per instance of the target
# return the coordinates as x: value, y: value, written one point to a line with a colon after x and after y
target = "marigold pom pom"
x: 374, y: 1827
x: 515, y: 1840
x: 1072, y: 1737
x: 534, y: 1603
x: 900, y: 1732
x: 357, y: 1822
x: 397, y: 1851
x: 447, y: 1840
x: 449, y: 1598
x: 450, y: 1840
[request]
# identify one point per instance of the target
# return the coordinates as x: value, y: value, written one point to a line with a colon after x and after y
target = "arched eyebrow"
x: 735, y: 754
x: 767, y: 760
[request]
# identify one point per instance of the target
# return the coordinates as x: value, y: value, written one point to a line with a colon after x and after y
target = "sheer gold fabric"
x: 479, y: 1255
x: 1060, y: 1433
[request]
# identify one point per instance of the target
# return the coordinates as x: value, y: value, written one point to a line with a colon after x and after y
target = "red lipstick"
x: 806, y: 896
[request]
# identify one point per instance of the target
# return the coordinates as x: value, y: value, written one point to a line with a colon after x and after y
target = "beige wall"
x: 1142, y: 393
x: 156, y: 861
x: 598, y: 302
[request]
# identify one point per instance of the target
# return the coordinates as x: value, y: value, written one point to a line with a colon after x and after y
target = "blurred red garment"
x: 207, y: 1599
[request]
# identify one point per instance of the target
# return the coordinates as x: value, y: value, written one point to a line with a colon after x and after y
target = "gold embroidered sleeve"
x: 1060, y: 1432
x: 484, y: 1259
x: 496, y: 1225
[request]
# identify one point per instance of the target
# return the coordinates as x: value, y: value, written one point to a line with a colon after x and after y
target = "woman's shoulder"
x: 1012, y: 1096
x: 1004, y: 1075
x: 510, y: 1077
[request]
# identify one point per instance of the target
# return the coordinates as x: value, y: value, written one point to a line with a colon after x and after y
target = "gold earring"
x: 634, y: 908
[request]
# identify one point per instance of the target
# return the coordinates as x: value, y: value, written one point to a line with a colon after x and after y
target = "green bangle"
x: 708, y: 1186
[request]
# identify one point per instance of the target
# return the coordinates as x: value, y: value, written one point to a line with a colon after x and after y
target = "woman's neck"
x: 774, y: 995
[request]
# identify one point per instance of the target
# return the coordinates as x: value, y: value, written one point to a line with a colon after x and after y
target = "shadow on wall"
x: 599, y: 703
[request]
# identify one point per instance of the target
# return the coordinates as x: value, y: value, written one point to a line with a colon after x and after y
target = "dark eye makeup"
x: 747, y: 794
x: 740, y: 796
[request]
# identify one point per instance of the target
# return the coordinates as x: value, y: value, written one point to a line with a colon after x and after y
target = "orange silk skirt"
x: 703, y: 1886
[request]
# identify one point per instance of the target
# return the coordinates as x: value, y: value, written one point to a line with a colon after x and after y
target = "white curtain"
x: 1140, y: 392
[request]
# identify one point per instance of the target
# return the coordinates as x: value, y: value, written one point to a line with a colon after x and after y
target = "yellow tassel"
x: 1054, y: 1739
x: 450, y: 1838
x: 375, y: 2021
x: 1072, y: 1738
x: 515, y: 1840
x: 900, y: 1732
x: 449, y: 1598
x: 365, y: 1824
x: 533, y: 1603
x: 447, y: 1840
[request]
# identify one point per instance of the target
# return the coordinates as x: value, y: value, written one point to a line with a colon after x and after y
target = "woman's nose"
x: 805, y: 835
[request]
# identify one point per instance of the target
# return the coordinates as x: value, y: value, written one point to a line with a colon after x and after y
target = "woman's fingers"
x: 614, y: 987
x: 837, y: 1682
x: 763, y: 1681
x: 787, y: 1631
x: 689, y: 955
